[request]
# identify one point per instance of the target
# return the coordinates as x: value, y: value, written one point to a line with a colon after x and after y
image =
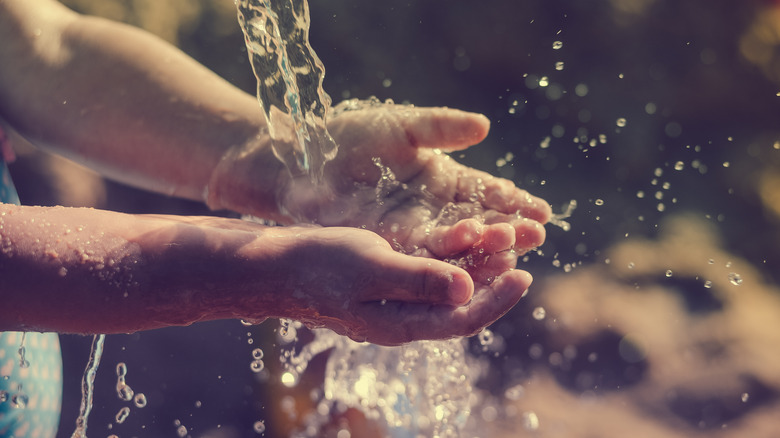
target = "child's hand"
x: 352, y: 282
x: 388, y: 178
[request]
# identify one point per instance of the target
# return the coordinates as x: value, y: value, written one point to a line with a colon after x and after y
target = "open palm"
x: 391, y: 177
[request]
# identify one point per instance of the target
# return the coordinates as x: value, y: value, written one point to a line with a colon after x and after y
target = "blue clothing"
x: 30, y: 383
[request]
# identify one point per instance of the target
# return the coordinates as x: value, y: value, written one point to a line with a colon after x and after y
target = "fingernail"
x: 461, y: 289
x: 530, y: 280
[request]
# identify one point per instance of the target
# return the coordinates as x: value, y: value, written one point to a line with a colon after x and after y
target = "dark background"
x: 697, y: 82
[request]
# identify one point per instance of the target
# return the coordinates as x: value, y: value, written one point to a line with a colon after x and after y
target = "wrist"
x: 247, y: 179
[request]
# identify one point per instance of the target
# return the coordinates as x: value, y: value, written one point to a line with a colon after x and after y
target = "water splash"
x: 394, y: 386
x: 123, y: 390
x: 88, y: 386
x: 558, y: 219
x: 289, y: 82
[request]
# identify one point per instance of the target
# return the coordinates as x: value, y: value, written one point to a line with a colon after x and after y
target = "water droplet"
x: 640, y: 194
x: 256, y: 366
x: 181, y: 431
x: 257, y: 353
x: 621, y: 122
x: 20, y: 401
x: 599, y: 202
x: 735, y: 278
x: 486, y: 337
x: 122, y: 415
x: 530, y: 421
x: 63, y: 271
x: 544, y: 81
x: 668, y: 272
x: 539, y: 313
x: 23, y: 362
x: 259, y: 426
x: 745, y: 397
x: 140, y: 400
x: 121, y: 369
x: 679, y: 165
x: 708, y: 284
x: 124, y: 392
x: 726, y: 164
x: 514, y: 393
x: 559, y: 65
x: 557, y: 45
x: 631, y: 265
x: 545, y: 143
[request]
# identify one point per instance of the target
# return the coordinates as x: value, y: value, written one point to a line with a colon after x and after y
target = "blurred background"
x: 656, y: 314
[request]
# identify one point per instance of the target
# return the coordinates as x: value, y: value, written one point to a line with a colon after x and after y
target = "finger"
x: 445, y: 240
x: 443, y: 128
x: 413, y: 322
x: 498, y: 237
x: 492, y: 267
x: 418, y: 280
x: 492, y: 302
x: 502, y: 195
x: 528, y: 232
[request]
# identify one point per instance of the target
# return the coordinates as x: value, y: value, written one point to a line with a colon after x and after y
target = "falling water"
x: 289, y: 82
x: 87, y: 386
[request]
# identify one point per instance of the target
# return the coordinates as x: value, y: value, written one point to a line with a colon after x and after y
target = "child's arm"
x: 91, y: 271
x: 123, y: 102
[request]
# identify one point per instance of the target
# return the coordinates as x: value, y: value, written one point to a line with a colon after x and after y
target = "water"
x: 559, y: 219
x: 421, y: 388
x: 87, y: 386
x: 289, y: 82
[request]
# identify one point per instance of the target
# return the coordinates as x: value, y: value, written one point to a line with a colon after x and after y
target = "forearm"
x: 91, y: 271
x: 122, y: 101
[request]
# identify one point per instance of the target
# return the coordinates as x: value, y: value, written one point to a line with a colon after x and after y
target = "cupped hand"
x: 352, y: 282
x: 391, y: 176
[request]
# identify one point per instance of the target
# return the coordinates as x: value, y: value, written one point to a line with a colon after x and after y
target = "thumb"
x: 444, y: 128
x: 412, y: 279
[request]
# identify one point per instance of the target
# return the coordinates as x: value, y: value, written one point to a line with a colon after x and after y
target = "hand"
x: 352, y: 282
x: 388, y: 178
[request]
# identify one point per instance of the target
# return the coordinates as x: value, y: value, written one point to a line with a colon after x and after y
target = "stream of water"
x: 289, y: 82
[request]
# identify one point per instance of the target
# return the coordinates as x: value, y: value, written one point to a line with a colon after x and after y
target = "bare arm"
x: 92, y: 271
x: 123, y: 101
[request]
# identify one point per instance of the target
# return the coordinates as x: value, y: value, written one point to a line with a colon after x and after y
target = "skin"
x: 432, y: 255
